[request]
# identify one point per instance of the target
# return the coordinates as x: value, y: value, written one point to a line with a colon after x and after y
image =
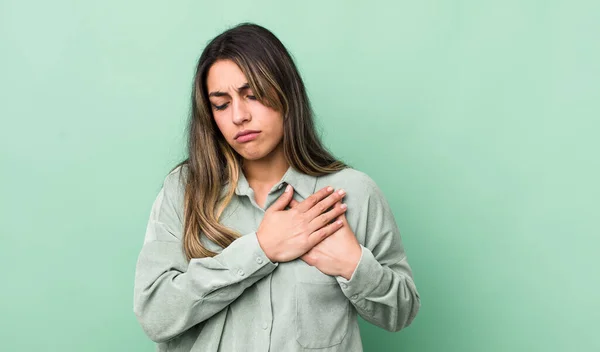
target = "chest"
x: 244, y: 216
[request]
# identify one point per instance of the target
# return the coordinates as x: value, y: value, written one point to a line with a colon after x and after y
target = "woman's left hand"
x: 337, y: 254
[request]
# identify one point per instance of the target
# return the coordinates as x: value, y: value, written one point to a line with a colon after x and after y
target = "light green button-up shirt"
x: 241, y: 301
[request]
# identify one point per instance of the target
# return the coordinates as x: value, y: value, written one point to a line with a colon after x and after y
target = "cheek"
x: 222, y: 125
x: 278, y: 121
x: 273, y: 119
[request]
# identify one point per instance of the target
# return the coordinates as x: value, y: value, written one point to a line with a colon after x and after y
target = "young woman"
x: 261, y: 240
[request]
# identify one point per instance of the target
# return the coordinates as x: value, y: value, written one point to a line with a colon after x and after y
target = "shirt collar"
x: 303, y: 184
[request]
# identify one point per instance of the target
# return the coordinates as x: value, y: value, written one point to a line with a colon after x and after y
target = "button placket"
x: 264, y: 289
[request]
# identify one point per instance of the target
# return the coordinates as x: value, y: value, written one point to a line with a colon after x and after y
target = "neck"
x: 265, y: 172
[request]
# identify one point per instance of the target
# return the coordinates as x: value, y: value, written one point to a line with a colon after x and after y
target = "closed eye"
x: 220, y: 107
x: 223, y: 106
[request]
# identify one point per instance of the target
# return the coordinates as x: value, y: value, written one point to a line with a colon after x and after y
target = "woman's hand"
x: 285, y: 235
x: 339, y: 253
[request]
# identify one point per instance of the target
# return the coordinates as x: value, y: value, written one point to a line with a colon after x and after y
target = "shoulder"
x: 175, y: 181
x: 368, y: 210
x: 356, y: 183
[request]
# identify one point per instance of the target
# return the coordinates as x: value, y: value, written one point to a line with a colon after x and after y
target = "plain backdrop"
x: 479, y: 120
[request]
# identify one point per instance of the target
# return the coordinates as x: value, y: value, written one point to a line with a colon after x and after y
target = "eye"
x: 251, y: 97
x: 220, y: 107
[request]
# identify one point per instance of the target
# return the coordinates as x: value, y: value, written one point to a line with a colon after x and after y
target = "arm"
x: 381, y: 287
x: 172, y: 295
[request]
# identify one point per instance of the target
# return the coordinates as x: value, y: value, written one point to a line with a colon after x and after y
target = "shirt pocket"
x: 322, y: 314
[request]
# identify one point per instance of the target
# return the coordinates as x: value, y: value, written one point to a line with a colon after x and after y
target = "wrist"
x: 264, y: 247
x: 352, y: 264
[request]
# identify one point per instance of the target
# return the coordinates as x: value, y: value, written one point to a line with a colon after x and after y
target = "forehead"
x: 224, y: 75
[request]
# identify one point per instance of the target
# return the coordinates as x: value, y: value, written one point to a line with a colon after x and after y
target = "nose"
x: 241, y: 113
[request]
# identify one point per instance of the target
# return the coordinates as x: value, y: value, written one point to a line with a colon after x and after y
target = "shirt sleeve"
x: 382, y: 287
x: 171, y: 294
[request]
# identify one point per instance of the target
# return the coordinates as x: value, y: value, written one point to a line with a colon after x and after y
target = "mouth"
x: 246, y: 136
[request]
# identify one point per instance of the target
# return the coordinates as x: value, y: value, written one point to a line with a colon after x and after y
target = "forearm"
x: 171, y: 295
x: 384, y: 295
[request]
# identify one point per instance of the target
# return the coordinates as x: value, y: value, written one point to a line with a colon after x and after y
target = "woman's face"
x: 237, y: 112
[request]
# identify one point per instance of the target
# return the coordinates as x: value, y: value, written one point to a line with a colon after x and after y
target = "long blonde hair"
x: 212, y: 163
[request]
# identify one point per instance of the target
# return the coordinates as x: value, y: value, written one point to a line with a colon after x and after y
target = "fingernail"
x: 339, y: 222
x: 329, y: 189
x: 341, y: 192
x: 344, y: 206
x: 288, y: 188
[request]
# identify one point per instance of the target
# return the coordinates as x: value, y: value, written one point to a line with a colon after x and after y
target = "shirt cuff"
x: 365, y: 278
x: 246, y: 257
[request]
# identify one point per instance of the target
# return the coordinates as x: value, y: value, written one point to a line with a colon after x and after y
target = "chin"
x: 252, y: 155
x: 255, y: 154
x: 256, y: 151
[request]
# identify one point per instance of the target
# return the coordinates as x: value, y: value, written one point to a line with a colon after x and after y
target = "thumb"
x: 283, y: 199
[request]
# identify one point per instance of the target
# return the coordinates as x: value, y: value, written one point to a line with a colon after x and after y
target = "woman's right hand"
x: 285, y: 235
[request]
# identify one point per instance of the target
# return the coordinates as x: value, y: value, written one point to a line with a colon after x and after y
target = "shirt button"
x: 241, y: 272
x: 344, y: 285
x: 259, y: 260
x: 354, y: 296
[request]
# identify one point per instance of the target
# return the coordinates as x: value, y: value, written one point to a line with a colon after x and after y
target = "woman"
x: 248, y: 246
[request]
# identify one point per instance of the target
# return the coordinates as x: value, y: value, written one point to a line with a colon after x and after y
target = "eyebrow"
x: 221, y: 94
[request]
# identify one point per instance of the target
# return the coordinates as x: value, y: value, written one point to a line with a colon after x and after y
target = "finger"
x: 329, y: 216
x: 283, y: 200
x: 342, y: 216
x: 325, y: 204
x: 324, y: 232
x: 343, y: 219
x: 293, y: 203
x: 313, y: 199
x: 309, y: 258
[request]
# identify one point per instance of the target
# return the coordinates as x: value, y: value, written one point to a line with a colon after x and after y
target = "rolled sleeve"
x: 172, y: 294
x: 366, y: 277
x: 243, y: 258
x: 382, y: 287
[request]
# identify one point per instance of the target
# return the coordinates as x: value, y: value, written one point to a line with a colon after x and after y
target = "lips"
x: 247, y: 137
x: 245, y: 133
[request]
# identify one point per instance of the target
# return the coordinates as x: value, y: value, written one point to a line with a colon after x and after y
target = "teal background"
x: 478, y: 119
